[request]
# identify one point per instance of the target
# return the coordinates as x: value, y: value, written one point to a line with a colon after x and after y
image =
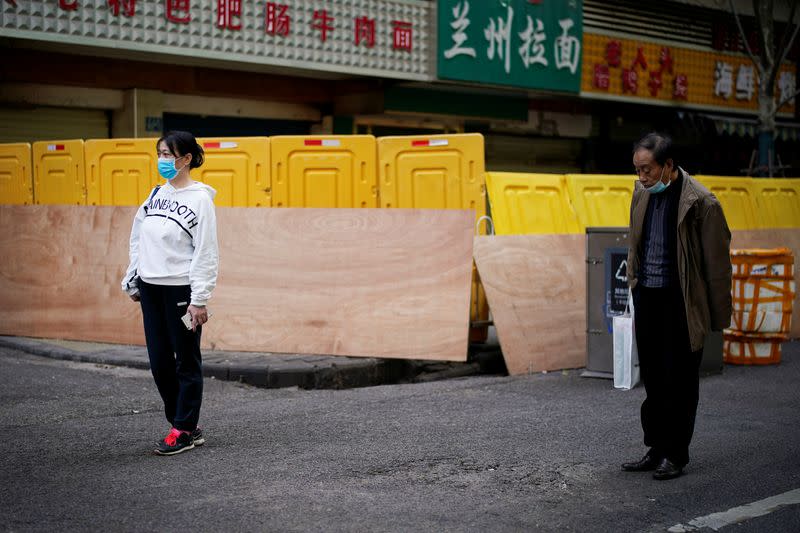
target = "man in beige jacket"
x: 679, y: 270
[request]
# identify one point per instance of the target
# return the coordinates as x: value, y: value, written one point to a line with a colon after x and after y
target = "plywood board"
x: 370, y: 282
x: 60, y: 273
x: 380, y: 283
x: 776, y: 238
x: 536, y: 288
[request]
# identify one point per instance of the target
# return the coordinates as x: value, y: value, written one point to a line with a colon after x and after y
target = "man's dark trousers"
x: 669, y: 370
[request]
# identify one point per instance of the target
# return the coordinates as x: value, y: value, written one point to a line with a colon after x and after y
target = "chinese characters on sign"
x: 178, y: 11
x: 724, y: 86
x: 614, y: 50
x: 459, y: 35
x: 681, y: 87
x: 614, y: 53
x: 786, y: 87
x: 365, y: 31
x: 128, y: 7
x: 388, y: 38
x: 532, y: 49
x: 743, y: 85
x: 514, y: 42
x: 401, y: 35
x: 228, y: 13
x: 639, y: 70
x: 723, y: 79
x: 602, y: 79
x: 322, y: 23
x: 499, y: 38
x: 568, y: 47
x: 277, y: 20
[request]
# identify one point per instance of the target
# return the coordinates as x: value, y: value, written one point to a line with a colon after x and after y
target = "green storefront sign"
x: 523, y: 43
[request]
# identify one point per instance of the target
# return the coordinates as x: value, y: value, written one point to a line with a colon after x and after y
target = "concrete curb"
x: 258, y: 369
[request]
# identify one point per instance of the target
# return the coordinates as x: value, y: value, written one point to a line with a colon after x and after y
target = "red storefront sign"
x: 323, y: 23
x: 614, y: 53
x: 601, y: 76
x: 128, y: 7
x: 402, y: 35
x: 638, y: 69
x: 228, y: 13
x: 365, y: 31
x: 277, y: 20
x: 174, y: 7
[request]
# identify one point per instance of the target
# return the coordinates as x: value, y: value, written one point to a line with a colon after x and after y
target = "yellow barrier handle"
x: 489, y: 224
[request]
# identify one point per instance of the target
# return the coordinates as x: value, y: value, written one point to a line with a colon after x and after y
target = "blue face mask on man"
x: 166, y: 167
x: 660, y: 186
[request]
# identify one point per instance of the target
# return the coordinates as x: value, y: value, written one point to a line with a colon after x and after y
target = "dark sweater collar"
x: 676, y: 185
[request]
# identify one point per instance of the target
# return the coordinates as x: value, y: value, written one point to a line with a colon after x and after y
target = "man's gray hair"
x: 659, y: 144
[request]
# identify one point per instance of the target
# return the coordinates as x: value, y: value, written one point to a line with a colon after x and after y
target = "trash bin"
x: 606, y: 297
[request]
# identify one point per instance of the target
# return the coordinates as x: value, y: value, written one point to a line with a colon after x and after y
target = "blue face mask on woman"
x: 166, y: 167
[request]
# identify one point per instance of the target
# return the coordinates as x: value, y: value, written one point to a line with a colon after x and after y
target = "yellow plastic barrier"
x: 433, y: 172
x: 601, y: 200
x: 58, y: 176
x: 324, y: 171
x: 437, y: 172
x: 120, y: 171
x: 16, y: 176
x: 778, y: 201
x: 737, y: 199
x: 238, y: 168
x: 530, y: 203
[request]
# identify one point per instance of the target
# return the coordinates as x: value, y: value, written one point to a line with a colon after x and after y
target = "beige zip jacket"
x: 704, y: 261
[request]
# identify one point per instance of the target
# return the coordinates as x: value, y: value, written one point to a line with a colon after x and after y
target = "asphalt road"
x: 536, y: 453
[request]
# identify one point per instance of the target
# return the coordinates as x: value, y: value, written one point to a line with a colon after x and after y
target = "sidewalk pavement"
x: 275, y: 370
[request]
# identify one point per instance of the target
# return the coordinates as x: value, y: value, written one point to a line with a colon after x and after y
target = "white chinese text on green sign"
x: 534, y: 45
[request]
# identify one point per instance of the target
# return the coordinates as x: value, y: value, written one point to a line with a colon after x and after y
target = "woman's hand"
x: 199, y: 315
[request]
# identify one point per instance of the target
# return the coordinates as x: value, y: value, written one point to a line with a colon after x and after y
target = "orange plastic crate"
x: 752, y: 348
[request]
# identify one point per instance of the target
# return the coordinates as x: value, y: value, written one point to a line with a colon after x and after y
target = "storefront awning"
x: 748, y: 127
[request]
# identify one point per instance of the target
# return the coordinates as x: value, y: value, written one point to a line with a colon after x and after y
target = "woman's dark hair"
x: 181, y: 143
x: 659, y: 145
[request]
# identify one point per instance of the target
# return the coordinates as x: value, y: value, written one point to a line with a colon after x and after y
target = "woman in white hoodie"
x: 174, y: 259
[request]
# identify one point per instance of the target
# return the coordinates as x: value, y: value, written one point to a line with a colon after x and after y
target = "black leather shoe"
x: 667, y: 470
x: 645, y: 464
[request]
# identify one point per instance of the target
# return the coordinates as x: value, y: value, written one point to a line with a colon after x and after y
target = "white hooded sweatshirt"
x: 174, y: 241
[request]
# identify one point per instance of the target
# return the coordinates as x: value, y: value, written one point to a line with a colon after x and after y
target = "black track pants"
x: 174, y: 351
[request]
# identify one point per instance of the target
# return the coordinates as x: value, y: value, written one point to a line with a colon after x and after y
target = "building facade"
x: 553, y: 86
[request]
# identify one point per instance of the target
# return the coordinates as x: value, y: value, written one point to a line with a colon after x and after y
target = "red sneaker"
x: 176, y: 442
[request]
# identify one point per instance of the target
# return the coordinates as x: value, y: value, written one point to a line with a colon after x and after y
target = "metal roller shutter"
x: 512, y: 153
x: 51, y: 123
x: 672, y: 21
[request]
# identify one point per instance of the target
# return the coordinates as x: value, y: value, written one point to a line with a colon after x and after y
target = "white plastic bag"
x: 626, y: 357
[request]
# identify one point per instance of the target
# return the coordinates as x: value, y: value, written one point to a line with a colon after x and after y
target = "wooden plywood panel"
x: 60, y: 272
x: 536, y: 287
x: 336, y: 281
x: 776, y: 238
x: 371, y: 282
